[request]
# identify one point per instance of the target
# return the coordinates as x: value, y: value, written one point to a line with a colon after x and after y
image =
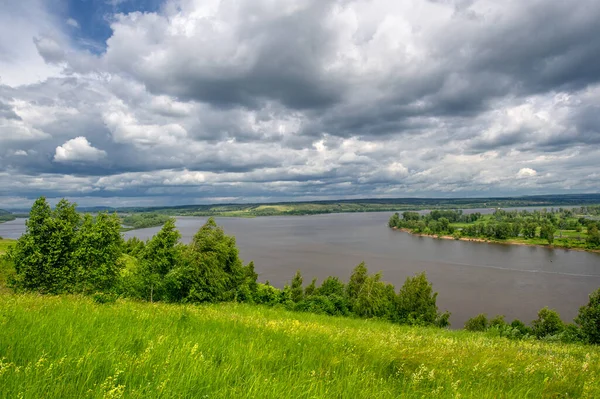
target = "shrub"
x: 548, y: 323
x: 477, y: 323
x: 498, y: 321
x: 333, y: 306
x: 589, y: 319
x: 266, y: 294
x: 521, y: 327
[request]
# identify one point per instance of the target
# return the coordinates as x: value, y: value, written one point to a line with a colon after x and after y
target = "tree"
x: 548, y: 323
x: 593, y: 236
x: 42, y: 256
x: 297, y: 291
x: 394, y: 220
x: 529, y: 230
x: 357, y: 280
x: 477, y: 323
x: 547, y: 231
x: 416, y: 302
x: 98, y: 246
x: 444, y: 224
x: 331, y: 286
x: 311, y: 288
x: 158, y: 258
x: 589, y: 319
x: 210, y: 268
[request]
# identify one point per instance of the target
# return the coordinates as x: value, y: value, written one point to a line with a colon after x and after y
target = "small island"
x: 575, y: 228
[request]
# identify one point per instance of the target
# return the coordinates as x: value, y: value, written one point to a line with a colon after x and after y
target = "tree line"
x: 502, y: 225
x: 65, y: 252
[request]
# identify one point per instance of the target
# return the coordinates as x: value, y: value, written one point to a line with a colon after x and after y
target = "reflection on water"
x: 470, y: 277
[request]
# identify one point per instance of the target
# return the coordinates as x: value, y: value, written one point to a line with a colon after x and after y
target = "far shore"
x: 489, y: 241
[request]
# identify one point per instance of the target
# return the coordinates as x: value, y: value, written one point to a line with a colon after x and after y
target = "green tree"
x: 42, y: 256
x: 158, y: 258
x: 331, y: 286
x: 311, y: 288
x: 593, y: 236
x: 589, y: 319
x: 210, y: 269
x: 416, y: 302
x: 529, y: 230
x: 443, y: 224
x: 548, y: 323
x: 477, y: 323
x: 297, y: 292
x: 357, y: 280
x: 394, y: 220
x: 98, y: 246
x: 547, y: 231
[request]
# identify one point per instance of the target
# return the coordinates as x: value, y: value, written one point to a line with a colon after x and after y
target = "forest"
x: 565, y: 228
x: 63, y: 252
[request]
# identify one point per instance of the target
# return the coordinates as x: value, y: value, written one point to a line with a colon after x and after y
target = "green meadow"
x: 73, y: 347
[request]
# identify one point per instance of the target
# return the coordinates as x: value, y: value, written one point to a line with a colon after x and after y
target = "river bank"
x: 492, y: 241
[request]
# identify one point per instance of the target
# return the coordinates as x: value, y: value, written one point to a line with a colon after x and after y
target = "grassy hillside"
x: 5, y: 244
x: 58, y: 347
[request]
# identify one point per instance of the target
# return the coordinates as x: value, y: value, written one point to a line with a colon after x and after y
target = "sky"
x: 170, y: 102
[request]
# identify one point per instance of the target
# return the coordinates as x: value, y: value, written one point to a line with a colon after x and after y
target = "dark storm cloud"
x: 283, y: 59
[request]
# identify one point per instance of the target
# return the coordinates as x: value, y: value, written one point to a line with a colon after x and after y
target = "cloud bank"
x: 255, y: 100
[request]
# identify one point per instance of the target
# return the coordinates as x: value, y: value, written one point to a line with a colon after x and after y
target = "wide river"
x: 471, y: 277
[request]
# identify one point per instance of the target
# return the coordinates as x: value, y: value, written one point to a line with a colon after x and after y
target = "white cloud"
x: 526, y: 172
x: 71, y: 22
x: 78, y: 149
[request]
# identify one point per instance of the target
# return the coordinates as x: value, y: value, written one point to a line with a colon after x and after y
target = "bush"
x: 588, y: 319
x: 333, y: 306
x: 521, y: 327
x: 477, y: 323
x: 547, y: 324
x: 266, y: 294
x: 498, y: 321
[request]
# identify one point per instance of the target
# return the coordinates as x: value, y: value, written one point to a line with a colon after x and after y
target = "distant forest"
x: 139, y: 217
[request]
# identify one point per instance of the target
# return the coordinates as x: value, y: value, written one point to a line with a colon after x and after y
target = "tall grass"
x: 71, y: 347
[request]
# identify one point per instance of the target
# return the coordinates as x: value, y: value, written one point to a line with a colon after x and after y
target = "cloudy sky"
x: 132, y: 102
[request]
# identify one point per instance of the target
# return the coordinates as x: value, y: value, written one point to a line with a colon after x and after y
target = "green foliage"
x: 498, y: 322
x: 367, y: 295
x: 523, y: 329
x: 210, y: 269
x: 60, y: 252
x: 589, y: 319
x: 311, y: 288
x: 331, y: 286
x: 548, y: 323
x: 42, y: 256
x: 97, y: 248
x: 266, y: 294
x: 593, y: 237
x: 144, y: 220
x: 477, y: 323
x: 547, y: 232
x: 416, y: 302
x: 297, y: 292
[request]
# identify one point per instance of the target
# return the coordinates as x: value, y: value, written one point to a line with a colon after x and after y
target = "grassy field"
x: 71, y: 347
x: 5, y: 244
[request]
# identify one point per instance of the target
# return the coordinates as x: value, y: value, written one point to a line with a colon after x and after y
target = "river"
x: 470, y: 277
